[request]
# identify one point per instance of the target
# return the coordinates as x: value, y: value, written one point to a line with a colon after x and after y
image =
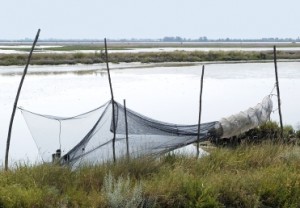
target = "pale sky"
x: 114, y: 19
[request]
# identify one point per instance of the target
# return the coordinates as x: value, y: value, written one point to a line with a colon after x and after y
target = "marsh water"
x: 43, y: 49
x: 169, y: 94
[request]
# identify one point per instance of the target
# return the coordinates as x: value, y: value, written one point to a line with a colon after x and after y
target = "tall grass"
x: 263, y: 175
x: 150, y: 57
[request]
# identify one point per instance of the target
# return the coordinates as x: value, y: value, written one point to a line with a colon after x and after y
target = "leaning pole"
x: 17, y: 98
x: 112, y: 100
x: 278, y: 92
x: 200, y: 112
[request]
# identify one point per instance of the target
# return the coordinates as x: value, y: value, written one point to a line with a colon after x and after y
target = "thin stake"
x: 16, y: 100
x: 113, y: 102
x: 126, y: 129
x: 200, y: 111
x: 278, y: 93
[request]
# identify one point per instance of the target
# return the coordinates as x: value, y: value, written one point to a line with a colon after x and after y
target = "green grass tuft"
x: 260, y: 175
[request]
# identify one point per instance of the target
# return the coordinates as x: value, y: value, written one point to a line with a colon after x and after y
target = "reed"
x: 261, y: 175
x: 149, y: 57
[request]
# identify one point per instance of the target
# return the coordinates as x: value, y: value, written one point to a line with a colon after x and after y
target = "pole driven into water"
x: 200, y: 111
x: 126, y: 129
x: 278, y: 93
x: 112, y: 100
x: 17, y: 98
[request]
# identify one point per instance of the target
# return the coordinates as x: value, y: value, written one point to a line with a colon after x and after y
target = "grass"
x: 150, y: 57
x: 263, y: 175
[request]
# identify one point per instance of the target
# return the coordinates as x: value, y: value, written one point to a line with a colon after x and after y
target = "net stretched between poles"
x: 88, y: 137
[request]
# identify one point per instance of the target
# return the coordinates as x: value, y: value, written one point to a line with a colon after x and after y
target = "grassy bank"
x: 151, y: 57
x: 264, y: 175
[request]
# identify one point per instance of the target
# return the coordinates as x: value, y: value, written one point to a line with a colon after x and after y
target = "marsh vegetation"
x: 256, y: 174
x: 146, y: 57
x: 262, y: 175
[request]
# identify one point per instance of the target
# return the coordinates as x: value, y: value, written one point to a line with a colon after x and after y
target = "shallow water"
x: 169, y: 94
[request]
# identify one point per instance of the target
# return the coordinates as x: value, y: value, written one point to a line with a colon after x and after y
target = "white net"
x: 51, y: 133
x: 89, y: 137
x: 248, y: 119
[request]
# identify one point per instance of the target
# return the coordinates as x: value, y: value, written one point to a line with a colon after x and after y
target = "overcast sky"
x: 114, y: 19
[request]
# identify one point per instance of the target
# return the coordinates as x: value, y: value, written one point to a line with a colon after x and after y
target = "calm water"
x: 10, y: 49
x: 170, y: 94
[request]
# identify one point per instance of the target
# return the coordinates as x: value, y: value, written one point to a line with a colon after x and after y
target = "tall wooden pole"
x: 278, y: 93
x: 200, y: 111
x: 126, y: 129
x: 113, y: 102
x: 17, y: 98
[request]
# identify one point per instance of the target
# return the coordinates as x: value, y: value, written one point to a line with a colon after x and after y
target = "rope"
x: 271, y: 93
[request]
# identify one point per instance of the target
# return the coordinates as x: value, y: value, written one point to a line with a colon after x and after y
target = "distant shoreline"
x: 149, y: 57
x: 146, y: 44
x: 82, y: 69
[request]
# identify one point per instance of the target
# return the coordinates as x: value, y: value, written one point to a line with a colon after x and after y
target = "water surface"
x: 169, y: 94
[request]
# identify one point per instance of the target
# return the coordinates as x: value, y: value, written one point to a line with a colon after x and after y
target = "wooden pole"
x: 200, y: 111
x: 126, y: 129
x: 278, y: 93
x: 16, y: 100
x: 113, y: 102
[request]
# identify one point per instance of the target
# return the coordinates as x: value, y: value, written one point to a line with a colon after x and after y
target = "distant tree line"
x: 180, y: 39
x: 165, y: 39
x: 205, y: 39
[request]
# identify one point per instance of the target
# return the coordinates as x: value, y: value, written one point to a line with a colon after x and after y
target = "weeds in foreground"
x: 117, y: 192
x: 251, y: 175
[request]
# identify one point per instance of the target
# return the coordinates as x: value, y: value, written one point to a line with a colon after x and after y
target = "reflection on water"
x: 83, y: 69
x: 43, y: 73
x: 169, y: 94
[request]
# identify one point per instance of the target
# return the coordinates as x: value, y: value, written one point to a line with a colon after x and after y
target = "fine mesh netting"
x: 88, y: 138
x: 51, y: 133
x: 248, y: 119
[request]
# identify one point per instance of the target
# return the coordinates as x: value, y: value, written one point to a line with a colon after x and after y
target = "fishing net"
x: 248, y: 119
x: 88, y: 137
x: 92, y: 138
